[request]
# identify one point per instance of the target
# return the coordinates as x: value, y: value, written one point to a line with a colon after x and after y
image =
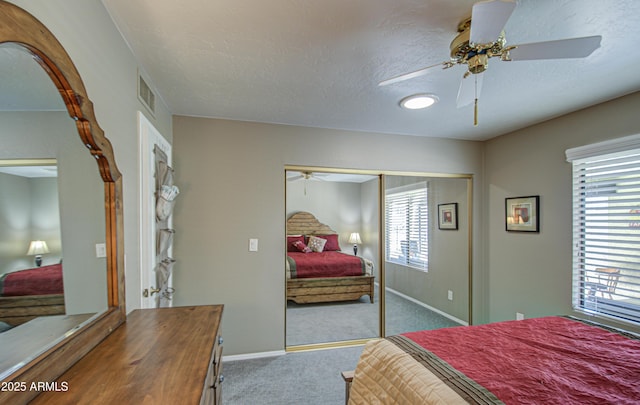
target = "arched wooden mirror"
x: 22, y: 34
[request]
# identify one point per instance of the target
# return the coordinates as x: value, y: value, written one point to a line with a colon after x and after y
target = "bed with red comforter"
x: 551, y: 360
x: 37, y: 281
x: 325, y: 264
x: 322, y: 273
x: 27, y: 294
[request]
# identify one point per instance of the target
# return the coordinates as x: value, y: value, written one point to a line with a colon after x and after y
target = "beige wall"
x: 231, y: 176
x: 531, y: 273
x: 109, y: 72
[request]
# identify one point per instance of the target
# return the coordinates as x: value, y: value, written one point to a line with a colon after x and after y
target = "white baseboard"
x: 422, y: 304
x: 250, y: 356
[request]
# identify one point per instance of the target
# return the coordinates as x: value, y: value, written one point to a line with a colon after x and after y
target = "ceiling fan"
x: 481, y: 37
x: 305, y: 176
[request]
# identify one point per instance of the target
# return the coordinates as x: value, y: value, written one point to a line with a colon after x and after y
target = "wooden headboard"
x: 304, y: 223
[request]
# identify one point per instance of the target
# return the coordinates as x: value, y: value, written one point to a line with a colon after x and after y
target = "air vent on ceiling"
x: 146, y: 95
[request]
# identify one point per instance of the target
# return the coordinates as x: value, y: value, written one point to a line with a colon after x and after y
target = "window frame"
x: 416, y: 259
x: 606, y: 228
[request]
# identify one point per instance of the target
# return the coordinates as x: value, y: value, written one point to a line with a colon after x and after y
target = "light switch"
x: 253, y: 245
x: 101, y: 250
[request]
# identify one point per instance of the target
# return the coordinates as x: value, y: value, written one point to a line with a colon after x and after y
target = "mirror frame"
x: 21, y: 29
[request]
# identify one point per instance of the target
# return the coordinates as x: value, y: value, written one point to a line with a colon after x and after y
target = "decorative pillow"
x: 291, y: 239
x: 317, y: 244
x: 332, y: 242
x: 300, y: 246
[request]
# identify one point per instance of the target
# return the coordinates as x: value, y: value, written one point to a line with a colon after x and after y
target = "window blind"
x: 606, y: 232
x: 407, y: 225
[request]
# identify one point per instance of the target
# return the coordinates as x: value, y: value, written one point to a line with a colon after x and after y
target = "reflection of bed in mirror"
x: 30, y: 293
x: 326, y: 275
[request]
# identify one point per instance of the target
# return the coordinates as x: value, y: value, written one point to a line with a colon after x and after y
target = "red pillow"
x: 291, y: 240
x: 302, y: 247
x: 332, y: 242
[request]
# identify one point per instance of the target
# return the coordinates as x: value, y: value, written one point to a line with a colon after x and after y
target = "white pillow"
x: 316, y: 244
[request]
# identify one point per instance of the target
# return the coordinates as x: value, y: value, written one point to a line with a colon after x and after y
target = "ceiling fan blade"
x: 560, y: 49
x: 469, y: 90
x: 294, y: 178
x: 412, y: 75
x: 488, y: 19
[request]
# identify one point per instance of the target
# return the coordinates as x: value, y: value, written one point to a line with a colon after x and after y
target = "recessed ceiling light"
x: 418, y: 101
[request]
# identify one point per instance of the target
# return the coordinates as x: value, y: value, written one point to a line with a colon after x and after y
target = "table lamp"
x: 37, y: 248
x: 355, y: 239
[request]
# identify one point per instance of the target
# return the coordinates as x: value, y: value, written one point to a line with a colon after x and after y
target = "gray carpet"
x: 334, y: 322
x: 298, y: 378
x: 313, y: 377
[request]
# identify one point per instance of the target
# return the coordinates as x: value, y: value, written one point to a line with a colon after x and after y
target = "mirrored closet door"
x: 408, y: 238
x: 426, y: 254
x: 332, y: 262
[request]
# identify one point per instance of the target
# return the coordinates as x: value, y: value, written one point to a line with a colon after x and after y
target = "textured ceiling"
x: 318, y: 63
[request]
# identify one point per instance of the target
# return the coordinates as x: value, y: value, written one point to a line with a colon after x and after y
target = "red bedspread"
x: 550, y: 360
x: 43, y: 280
x: 324, y: 264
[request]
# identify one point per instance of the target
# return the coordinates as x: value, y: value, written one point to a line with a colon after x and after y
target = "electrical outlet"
x: 450, y: 295
x: 519, y: 316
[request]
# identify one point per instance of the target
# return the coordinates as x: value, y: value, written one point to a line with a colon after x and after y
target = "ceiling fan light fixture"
x: 418, y: 101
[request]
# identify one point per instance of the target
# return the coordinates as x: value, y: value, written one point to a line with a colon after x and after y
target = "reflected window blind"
x: 407, y: 226
x: 606, y: 232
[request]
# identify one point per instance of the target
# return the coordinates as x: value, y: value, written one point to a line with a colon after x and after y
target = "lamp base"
x: 355, y: 250
x: 38, y: 261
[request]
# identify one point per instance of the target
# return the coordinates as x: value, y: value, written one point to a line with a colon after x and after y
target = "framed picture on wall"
x: 448, y: 216
x: 522, y: 214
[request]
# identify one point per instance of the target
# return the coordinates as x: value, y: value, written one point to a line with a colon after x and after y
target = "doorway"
x: 154, y: 291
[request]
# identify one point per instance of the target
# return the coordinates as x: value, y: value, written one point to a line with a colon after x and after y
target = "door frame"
x: 149, y: 138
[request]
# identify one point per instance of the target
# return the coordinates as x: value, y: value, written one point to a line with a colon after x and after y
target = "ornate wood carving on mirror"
x: 21, y: 29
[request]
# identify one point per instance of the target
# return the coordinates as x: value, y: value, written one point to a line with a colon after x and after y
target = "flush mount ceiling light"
x: 418, y: 101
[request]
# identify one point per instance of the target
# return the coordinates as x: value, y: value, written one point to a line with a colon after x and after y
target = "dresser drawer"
x: 213, y: 393
x: 217, y: 387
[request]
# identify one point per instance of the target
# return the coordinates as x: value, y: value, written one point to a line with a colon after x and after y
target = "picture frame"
x: 522, y: 214
x: 448, y: 216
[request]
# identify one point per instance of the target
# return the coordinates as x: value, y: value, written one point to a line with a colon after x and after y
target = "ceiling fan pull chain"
x: 475, y: 114
x: 475, y: 106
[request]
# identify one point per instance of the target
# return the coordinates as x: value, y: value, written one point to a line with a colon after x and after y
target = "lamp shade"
x: 37, y: 247
x: 355, y: 238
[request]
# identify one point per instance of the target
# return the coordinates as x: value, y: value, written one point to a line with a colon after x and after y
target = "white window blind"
x: 407, y: 226
x: 606, y: 230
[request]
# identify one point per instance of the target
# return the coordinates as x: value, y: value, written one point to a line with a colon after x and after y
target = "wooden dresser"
x: 158, y: 356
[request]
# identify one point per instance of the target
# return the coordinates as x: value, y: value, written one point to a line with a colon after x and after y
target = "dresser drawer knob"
x: 220, y: 340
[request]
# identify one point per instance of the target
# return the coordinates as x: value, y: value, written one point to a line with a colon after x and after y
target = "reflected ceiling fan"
x: 481, y: 37
x: 305, y: 176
